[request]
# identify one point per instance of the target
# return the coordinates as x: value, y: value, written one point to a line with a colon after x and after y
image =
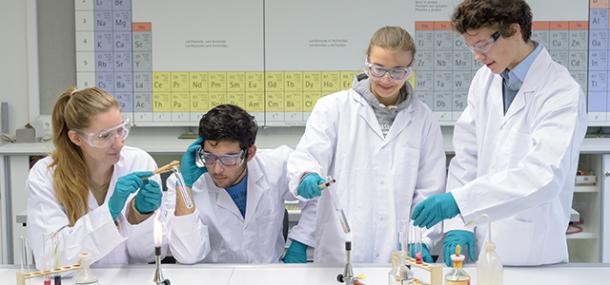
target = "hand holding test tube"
x: 329, y: 181
x: 186, y: 198
x: 175, y: 167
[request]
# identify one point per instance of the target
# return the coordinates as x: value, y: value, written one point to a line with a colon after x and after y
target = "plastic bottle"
x: 457, y: 275
x: 84, y: 275
x: 489, y: 266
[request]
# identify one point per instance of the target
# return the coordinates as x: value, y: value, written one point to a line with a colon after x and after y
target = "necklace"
x: 99, y: 191
x: 99, y: 188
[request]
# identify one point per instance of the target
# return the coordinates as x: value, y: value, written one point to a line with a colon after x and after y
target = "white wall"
x: 56, y: 70
x: 13, y: 62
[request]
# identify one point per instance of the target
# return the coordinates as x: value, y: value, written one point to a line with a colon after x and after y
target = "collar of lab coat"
x: 531, y: 83
x: 402, y: 120
x: 256, y: 188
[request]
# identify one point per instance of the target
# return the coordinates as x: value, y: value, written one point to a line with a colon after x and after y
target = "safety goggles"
x: 376, y: 71
x: 483, y: 47
x: 209, y: 159
x: 106, y: 137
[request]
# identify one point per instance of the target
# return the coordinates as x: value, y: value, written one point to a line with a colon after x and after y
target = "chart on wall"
x: 445, y: 66
x: 169, y: 62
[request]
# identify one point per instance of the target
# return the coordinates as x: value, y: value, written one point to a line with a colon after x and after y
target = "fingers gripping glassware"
x: 106, y: 137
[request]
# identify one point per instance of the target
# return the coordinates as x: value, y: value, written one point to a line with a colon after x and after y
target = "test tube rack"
x: 434, y: 270
x: 23, y: 276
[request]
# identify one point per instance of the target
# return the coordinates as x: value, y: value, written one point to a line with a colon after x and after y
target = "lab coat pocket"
x: 514, y: 240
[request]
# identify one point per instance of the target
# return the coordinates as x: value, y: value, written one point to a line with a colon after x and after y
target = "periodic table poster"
x: 168, y: 62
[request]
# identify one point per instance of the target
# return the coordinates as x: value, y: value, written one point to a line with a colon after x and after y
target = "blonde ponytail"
x: 74, y: 110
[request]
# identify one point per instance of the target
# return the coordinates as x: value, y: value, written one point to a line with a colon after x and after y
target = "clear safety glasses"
x: 209, y: 159
x: 483, y: 47
x: 106, y: 137
x: 376, y: 71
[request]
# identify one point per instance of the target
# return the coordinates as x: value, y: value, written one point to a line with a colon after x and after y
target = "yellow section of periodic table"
x: 278, y: 91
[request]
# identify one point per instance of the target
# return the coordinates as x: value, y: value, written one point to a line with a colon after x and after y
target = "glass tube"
x: 47, y: 255
x: 403, y: 236
x: 418, y: 247
x: 340, y: 213
x: 415, y: 237
x: 24, y: 254
x: 186, y: 198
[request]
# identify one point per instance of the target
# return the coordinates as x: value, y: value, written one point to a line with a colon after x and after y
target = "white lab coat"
x: 378, y: 180
x: 95, y: 232
x: 217, y: 233
x: 519, y: 168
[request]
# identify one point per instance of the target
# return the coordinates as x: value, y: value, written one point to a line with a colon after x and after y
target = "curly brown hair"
x: 229, y: 122
x: 499, y: 14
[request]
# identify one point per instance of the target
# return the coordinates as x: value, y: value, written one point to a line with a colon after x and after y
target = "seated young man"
x: 238, y: 195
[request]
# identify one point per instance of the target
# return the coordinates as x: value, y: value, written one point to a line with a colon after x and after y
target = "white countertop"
x: 589, y: 274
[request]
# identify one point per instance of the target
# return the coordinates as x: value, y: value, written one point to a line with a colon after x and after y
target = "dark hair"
x: 228, y: 122
x: 500, y: 14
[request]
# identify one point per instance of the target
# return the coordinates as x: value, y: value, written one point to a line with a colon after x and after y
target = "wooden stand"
x: 435, y: 271
x: 22, y: 276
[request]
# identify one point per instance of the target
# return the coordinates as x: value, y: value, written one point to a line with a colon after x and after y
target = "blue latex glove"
x: 296, y: 253
x: 149, y: 197
x: 425, y: 252
x: 464, y: 238
x: 189, y: 170
x: 125, y: 185
x: 310, y: 186
x: 434, y: 209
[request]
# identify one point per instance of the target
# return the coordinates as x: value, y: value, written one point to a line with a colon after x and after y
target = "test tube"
x: 329, y: 181
x: 186, y: 198
x: 57, y: 257
x: 415, y: 237
x: 419, y: 247
x: 23, y: 245
x: 344, y: 223
x: 403, y: 236
x: 341, y: 214
x: 47, y: 253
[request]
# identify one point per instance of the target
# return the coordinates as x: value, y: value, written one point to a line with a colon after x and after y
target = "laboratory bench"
x: 307, y: 274
x: 592, y: 244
